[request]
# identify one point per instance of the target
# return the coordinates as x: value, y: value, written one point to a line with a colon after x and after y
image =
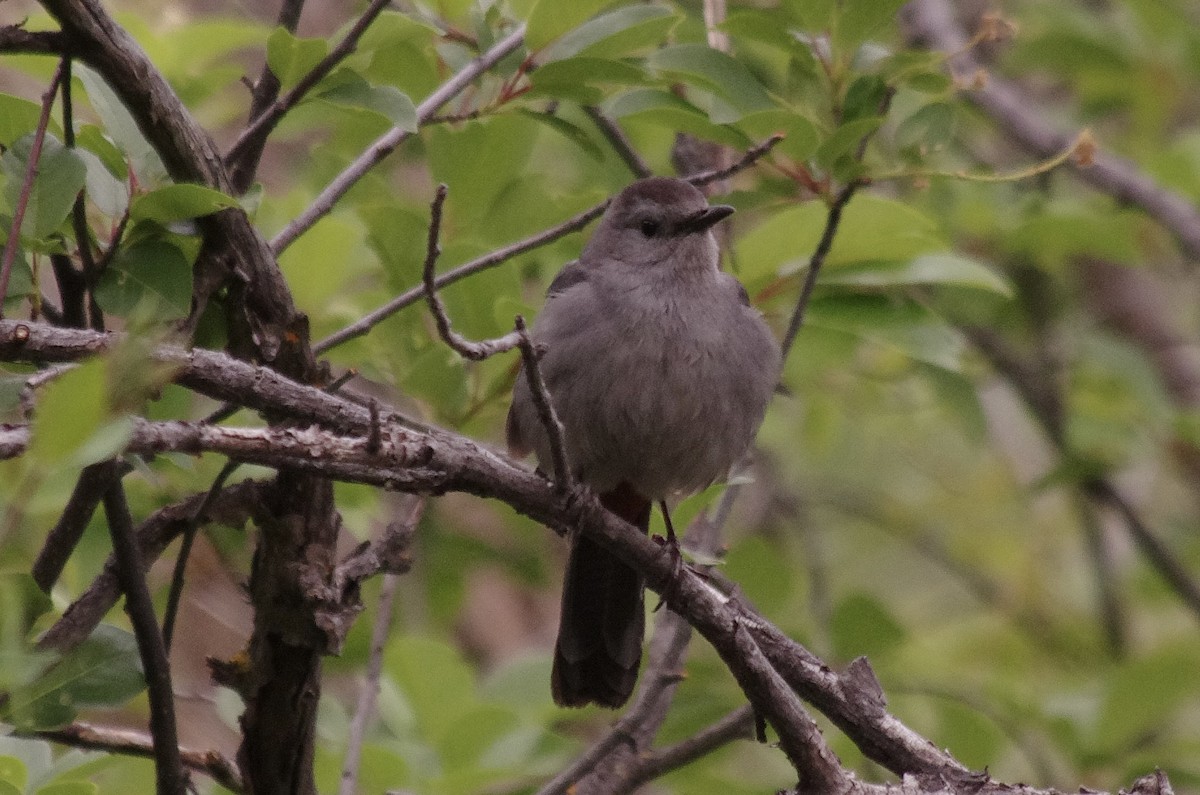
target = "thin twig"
x: 619, y: 141
x: 370, y: 687
x: 737, y: 725
x: 76, y: 311
x: 175, y: 594
x: 1163, y: 560
x: 265, y: 122
x: 563, y: 474
x: 832, y: 219
x: 476, y: 351
x: 31, y: 168
x: 411, y: 296
x: 170, y: 775
x: 93, y: 482
x: 213, y: 764
x: 545, y: 237
x: 263, y: 92
x: 154, y: 534
x: 387, y: 143
x: 369, y: 693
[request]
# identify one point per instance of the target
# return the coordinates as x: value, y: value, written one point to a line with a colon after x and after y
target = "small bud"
x: 1084, y: 152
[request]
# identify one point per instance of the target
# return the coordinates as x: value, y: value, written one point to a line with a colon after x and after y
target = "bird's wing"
x: 573, y: 273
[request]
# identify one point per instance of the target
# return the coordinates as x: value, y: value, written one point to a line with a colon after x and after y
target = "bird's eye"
x: 649, y: 228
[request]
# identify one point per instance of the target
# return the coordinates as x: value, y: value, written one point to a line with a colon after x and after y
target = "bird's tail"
x: 600, y: 633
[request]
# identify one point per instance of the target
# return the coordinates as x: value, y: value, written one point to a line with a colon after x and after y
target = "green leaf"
x: 762, y: 26
x: 439, y: 685
x: 152, y: 269
x: 872, y: 229
x: 713, y: 70
x: 572, y: 132
x: 17, y: 118
x: 1145, y: 692
x: 388, y: 101
x: 664, y: 109
x: 928, y: 269
x: 70, y: 410
x: 617, y: 33
x: 858, y: 20
x: 61, y: 174
x: 578, y: 79
x: 120, y: 127
x: 895, y: 330
x: 179, y: 203
x: 800, y: 134
x: 845, y: 141
x: 475, y: 731
x: 931, y: 127
x: 862, y: 625
x: 92, y: 138
x: 812, y: 15
x: 552, y: 18
x: 13, y: 773
x: 69, y: 788
x: 291, y: 57
x: 104, y: 670
x: 863, y: 98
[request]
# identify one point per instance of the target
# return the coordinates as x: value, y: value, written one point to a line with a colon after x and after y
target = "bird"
x: 660, y: 372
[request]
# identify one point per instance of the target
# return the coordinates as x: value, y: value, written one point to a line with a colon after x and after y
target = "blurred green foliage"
x: 907, y: 506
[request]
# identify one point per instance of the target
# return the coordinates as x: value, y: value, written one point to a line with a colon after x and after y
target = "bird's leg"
x: 672, y: 544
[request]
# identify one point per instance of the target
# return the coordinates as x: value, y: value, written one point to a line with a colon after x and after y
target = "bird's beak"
x: 704, y: 220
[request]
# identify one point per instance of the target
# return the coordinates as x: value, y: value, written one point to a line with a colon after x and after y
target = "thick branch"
x: 437, y: 461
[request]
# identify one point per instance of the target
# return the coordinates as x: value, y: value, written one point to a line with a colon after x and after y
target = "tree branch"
x: 171, y: 778
x: 253, y: 138
x: 132, y: 743
x: 387, y: 143
x: 31, y: 170
x: 264, y: 92
x: 438, y: 461
x: 370, y: 687
x: 232, y: 506
x: 15, y: 39
x: 573, y: 224
x: 619, y: 141
x: 932, y: 22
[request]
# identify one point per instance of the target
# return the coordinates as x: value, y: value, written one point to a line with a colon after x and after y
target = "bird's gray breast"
x: 660, y: 386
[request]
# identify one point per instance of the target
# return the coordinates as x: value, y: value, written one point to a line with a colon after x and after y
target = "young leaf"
x: 617, y: 33
x: 70, y: 410
x: 104, y: 670
x: 153, y: 269
x: 291, y: 57
x: 17, y: 117
x: 61, y: 174
x: 552, y: 18
x: 947, y: 269
x: 179, y: 203
x: 714, y: 70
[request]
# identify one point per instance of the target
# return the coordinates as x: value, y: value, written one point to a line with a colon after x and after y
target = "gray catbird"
x: 660, y: 372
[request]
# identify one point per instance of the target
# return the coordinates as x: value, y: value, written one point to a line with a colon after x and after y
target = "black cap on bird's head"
x: 652, y: 218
